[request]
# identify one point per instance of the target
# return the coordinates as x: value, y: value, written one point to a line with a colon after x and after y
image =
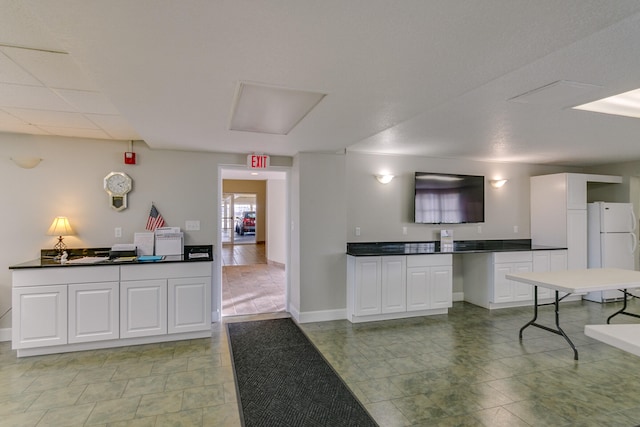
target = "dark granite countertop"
x: 48, y: 259
x: 459, y: 247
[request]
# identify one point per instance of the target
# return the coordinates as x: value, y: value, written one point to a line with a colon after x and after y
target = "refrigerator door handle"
x: 633, y: 221
x: 634, y: 242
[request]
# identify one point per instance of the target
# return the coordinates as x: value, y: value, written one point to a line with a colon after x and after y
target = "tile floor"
x: 467, y: 368
x: 250, y: 285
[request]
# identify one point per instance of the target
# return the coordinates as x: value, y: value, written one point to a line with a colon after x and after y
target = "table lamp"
x: 60, y: 227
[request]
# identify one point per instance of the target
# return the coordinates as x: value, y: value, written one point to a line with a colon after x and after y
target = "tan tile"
x: 66, y: 416
x: 226, y: 415
x: 109, y: 411
x: 160, y: 403
x: 200, y: 397
x: 145, y: 385
x: 183, y: 380
x: 102, y: 391
x: 55, y: 398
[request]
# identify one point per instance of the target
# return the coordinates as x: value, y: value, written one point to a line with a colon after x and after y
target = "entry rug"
x: 282, y: 380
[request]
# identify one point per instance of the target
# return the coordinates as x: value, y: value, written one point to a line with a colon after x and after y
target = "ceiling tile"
x: 76, y: 132
x: 87, y: 102
x: 53, y: 69
x: 22, y: 96
x: 52, y: 118
x: 116, y: 126
x: 10, y: 72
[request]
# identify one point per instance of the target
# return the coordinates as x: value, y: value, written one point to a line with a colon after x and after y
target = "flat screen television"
x: 448, y: 198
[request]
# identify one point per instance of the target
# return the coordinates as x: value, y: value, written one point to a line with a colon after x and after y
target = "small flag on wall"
x: 155, y: 219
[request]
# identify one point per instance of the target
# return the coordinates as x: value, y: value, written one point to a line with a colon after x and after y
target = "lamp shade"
x: 60, y: 227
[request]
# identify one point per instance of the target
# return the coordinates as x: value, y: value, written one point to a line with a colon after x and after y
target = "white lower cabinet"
x: 388, y: 287
x: 143, y: 308
x: 93, y: 311
x: 68, y: 308
x: 188, y: 309
x: 429, y: 282
x: 485, y: 283
x: 39, y: 316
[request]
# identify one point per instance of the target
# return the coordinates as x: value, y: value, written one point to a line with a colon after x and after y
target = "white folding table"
x: 577, y: 281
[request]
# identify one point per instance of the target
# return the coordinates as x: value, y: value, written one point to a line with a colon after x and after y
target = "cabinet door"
x: 522, y: 291
x: 542, y: 263
x: 441, y: 287
x: 576, y: 239
x: 394, y: 284
x: 418, y: 288
x: 368, y: 286
x: 189, y: 304
x: 93, y: 312
x: 39, y: 316
x: 576, y: 191
x: 143, y: 308
x: 502, y: 287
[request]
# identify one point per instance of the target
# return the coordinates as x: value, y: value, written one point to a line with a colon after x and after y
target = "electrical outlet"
x: 404, y: 231
x: 515, y: 228
x: 479, y: 229
x: 357, y: 231
x: 118, y: 231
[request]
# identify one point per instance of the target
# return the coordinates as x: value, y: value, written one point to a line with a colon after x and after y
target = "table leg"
x: 558, y: 330
x: 624, y: 307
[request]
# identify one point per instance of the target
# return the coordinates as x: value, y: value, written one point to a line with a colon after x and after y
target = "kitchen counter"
x: 433, y: 247
x: 47, y: 258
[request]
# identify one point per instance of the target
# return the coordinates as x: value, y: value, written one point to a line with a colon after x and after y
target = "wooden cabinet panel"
x: 94, y: 312
x: 39, y: 316
x: 187, y: 304
x: 143, y: 308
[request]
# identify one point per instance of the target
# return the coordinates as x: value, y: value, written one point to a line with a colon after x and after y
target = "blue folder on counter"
x: 150, y: 258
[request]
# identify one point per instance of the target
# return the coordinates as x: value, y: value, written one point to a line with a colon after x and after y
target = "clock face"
x: 117, y: 183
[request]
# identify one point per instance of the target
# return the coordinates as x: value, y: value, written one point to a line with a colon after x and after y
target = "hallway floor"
x: 250, y: 285
x: 467, y: 368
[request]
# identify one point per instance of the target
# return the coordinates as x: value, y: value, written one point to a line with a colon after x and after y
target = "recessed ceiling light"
x: 625, y: 104
x: 268, y: 109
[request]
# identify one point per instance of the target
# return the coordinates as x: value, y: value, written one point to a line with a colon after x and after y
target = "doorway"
x: 253, y: 261
x: 238, y: 215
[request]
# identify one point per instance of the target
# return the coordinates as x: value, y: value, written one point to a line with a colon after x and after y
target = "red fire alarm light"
x: 129, y: 158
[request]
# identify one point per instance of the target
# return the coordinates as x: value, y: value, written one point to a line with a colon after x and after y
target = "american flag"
x: 155, y: 219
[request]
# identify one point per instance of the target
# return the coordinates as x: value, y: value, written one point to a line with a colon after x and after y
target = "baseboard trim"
x: 5, y: 334
x: 322, y: 316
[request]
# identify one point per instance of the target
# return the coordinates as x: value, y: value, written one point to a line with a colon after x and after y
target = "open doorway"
x: 253, y: 256
x: 238, y: 217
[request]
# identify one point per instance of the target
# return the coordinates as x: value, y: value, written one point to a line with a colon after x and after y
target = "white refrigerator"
x: 611, y: 242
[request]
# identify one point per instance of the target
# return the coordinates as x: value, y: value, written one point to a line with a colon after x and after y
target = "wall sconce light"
x: 384, y: 179
x: 497, y: 183
x: 60, y: 227
x: 26, y: 162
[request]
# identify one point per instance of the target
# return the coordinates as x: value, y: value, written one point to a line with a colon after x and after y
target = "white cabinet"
x: 69, y: 308
x: 548, y: 261
x: 394, y: 284
x: 39, y: 316
x: 429, y: 282
x: 388, y: 287
x: 93, y: 311
x: 368, y: 286
x: 559, y: 212
x: 188, y: 307
x: 143, y: 308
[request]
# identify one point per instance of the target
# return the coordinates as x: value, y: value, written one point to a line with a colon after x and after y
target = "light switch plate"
x: 192, y: 225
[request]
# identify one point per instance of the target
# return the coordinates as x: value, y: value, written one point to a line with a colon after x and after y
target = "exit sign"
x: 258, y: 161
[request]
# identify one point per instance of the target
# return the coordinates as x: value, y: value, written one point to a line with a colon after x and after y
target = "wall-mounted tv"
x: 448, y: 198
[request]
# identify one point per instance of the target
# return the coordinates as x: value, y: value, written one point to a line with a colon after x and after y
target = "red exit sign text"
x: 258, y: 161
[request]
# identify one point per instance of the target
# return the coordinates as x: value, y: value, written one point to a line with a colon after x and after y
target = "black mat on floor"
x: 282, y: 380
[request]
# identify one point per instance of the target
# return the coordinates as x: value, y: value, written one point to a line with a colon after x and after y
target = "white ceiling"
x: 417, y: 77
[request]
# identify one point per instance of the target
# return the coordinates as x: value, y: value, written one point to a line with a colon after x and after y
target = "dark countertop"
x: 459, y: 247
x: 48, y: 260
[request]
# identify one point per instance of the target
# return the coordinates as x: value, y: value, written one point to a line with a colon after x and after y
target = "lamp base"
x: 60, y: 246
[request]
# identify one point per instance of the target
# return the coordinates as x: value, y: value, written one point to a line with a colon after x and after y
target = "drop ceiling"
x: 438, y: 78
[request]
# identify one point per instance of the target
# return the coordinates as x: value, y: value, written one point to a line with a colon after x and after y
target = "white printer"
x: 169, y: 241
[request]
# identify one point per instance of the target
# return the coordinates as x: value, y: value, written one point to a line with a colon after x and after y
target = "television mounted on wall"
x: 448, y: 198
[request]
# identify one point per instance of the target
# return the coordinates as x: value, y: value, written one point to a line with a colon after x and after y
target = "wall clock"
x: 118, y: 184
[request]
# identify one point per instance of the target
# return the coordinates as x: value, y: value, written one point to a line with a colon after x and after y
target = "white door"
x: 143, y: 308
x: 188, y: 306
x: 616, y: 218
x: 441, y: 287
x: 40, y: 316
x: 394, y: 284
x: 418, y: 292
x: 617, y: 250
x: 93, y: 312
x: 368, y: 286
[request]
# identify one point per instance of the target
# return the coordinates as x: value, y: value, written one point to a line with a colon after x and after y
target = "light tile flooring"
x: 467, y: 368
x: 249, y: 284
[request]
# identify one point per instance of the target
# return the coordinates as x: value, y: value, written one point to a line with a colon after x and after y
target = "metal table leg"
x: 624, y: 307
x: 558, y: 330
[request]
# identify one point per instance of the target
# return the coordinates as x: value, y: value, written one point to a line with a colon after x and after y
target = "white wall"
x: 277, y: 220
x: 69, y: 182
x: 381, y: 211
